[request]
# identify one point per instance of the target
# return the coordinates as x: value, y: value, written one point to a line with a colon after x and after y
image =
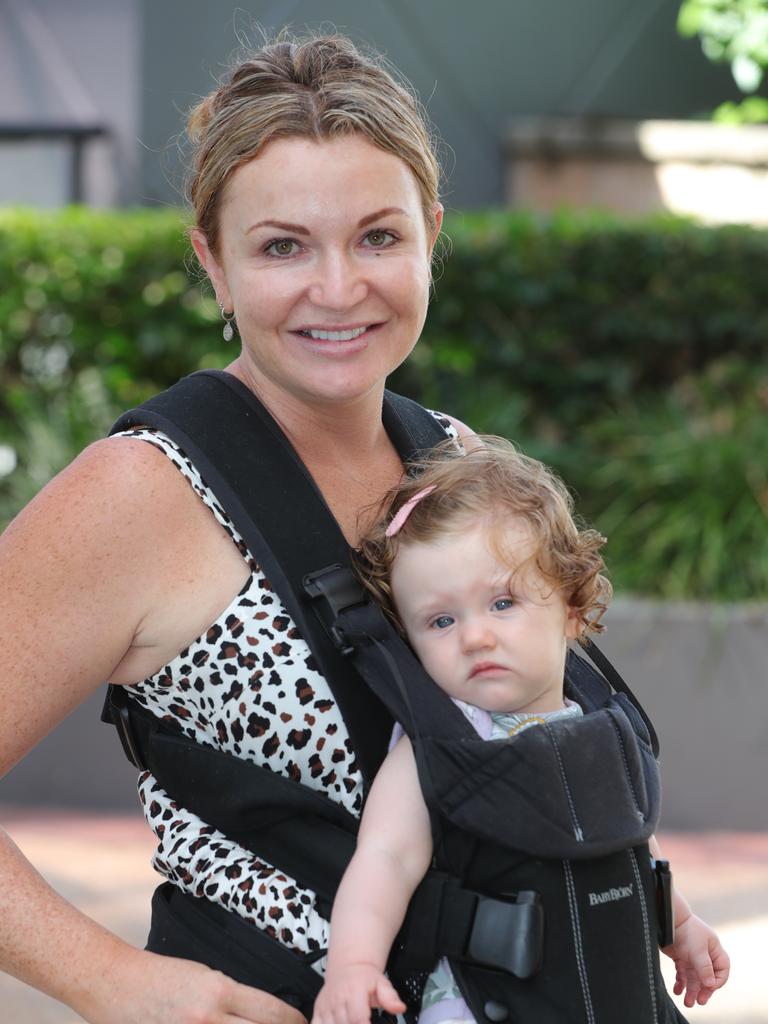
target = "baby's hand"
x: 349, y: 993
x: 701, y: 963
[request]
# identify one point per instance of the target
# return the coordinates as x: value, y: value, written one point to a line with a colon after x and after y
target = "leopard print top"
x: 249, y: 686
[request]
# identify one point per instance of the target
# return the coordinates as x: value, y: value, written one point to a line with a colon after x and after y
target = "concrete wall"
x: 700, y: 671
x: 716, y: 172
x: 80, y: 765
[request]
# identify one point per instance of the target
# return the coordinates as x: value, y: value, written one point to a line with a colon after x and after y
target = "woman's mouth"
x: 344, y: 334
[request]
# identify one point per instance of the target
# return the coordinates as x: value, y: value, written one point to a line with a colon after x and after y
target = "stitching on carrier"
x: 646, y: 933
x: 626, y: 763
x: 576, y: 929
x: 574, y: 820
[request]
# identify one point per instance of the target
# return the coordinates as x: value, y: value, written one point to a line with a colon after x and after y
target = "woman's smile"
x: 341, y: 341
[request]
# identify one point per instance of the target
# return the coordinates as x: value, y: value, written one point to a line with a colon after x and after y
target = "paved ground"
x: 102, y: 865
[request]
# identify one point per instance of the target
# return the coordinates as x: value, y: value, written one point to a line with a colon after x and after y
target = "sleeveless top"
x: 249, y: 685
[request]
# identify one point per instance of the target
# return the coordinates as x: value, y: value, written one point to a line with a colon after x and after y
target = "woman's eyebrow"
x: 385, y: 212
x: 298, y: 229
x: 295, y: 229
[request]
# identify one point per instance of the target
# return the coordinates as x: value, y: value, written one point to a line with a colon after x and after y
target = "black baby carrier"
x: 543, y: 895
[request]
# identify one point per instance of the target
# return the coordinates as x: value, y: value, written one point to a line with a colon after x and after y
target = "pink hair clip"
x: 399, y: 518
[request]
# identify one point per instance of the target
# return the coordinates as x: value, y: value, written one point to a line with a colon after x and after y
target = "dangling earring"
x: 229, y: 331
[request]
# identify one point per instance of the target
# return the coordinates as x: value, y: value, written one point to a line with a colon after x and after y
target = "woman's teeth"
x: 335, y: 335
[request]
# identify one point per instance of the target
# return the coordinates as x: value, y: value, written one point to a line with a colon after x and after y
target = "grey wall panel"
x: 79, y: 765
x: 76, y: 62
x: 474, y: 65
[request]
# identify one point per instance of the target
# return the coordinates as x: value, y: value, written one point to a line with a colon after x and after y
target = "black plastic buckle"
x: 665, y: 911
x: 116, y: 712
x: 508, y: 935
x: 335, y: 589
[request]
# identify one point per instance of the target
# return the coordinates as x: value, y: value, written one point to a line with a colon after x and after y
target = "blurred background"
x: 601, y: 300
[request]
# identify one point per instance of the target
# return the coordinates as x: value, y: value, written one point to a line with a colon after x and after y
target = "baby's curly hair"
x: 490, y: 481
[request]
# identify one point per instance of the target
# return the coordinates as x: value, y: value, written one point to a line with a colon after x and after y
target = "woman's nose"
x: 338, y: 283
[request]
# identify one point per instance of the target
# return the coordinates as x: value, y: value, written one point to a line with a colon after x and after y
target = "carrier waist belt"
x: 293, y: 827
x: 305, y: 834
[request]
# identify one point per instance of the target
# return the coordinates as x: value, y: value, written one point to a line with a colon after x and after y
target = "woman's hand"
x: 350, y: 992
x: 702, y: 965
x: 146, y: 988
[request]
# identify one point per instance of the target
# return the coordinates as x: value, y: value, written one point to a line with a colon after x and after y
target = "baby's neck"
x: 546, y: 708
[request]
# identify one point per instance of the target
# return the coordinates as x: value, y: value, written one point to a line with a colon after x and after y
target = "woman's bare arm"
x: 80, y: 569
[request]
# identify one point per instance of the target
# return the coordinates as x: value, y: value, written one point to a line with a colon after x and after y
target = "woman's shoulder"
x: 111, y: 511
x: 101, y: 487
x: 128, y: 487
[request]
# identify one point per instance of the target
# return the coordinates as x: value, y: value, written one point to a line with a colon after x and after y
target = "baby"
x: 481, y: 566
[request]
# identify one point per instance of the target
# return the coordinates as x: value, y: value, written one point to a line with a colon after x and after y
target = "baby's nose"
x: 478, y: 635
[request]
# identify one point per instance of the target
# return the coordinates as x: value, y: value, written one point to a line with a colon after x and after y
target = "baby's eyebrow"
x: 429, y: 609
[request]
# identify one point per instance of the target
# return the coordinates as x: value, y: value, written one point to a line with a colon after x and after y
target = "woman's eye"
x: 380, y: 239
x: 281, y: 247
x: 502, y: 604
x: 442, y: 622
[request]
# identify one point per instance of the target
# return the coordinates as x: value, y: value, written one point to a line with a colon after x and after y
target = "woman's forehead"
x: 346, y: 176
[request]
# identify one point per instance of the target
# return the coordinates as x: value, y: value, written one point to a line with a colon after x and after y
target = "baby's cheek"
x: 426, y: 654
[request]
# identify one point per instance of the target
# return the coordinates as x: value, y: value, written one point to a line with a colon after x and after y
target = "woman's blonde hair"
x: 318, y: 87
x: 491, y: 483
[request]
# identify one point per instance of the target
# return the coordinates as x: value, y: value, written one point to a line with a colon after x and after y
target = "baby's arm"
x: 701, y: 963
x: 394, y: 850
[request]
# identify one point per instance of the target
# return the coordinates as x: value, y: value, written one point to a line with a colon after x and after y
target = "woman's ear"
x: 437, y: 213
x: 212, y: 267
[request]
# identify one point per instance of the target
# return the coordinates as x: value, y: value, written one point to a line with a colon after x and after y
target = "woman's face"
x: 324, y: 257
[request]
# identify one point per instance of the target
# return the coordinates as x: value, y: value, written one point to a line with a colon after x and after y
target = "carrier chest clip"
x: 333, y: 590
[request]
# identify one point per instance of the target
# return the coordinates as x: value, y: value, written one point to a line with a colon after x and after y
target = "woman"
x: 315, y: 191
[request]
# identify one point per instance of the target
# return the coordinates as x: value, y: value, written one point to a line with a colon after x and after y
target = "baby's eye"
x: 502, y: 604
x: 281, y: 247
x: 442, y: 622
x: 380, y: 239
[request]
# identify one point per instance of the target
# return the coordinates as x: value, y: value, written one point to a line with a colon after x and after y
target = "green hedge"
x: 633, y: 356
x: 583, y: 311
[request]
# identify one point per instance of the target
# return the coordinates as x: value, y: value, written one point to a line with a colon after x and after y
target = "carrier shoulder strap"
x: 580, y: 675
x: 242, y: 454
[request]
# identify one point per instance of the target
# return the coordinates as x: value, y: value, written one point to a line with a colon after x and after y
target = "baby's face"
x: 486, y: 633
